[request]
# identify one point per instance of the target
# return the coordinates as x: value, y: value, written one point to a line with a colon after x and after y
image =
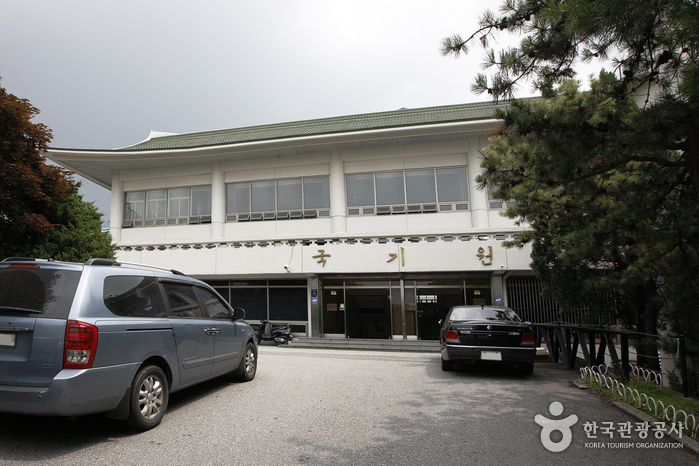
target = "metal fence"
x: 524, y: 297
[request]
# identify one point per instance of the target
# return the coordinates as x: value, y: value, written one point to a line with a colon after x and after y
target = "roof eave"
x: 64, y: 157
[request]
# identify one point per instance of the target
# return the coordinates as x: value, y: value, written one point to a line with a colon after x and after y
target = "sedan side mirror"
x: 238, y: 313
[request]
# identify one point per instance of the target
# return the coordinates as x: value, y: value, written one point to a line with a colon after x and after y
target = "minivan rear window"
x: 38, y: 290
x: 134, y: 296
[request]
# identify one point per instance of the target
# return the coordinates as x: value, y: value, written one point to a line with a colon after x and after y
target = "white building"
x: 364, y: 226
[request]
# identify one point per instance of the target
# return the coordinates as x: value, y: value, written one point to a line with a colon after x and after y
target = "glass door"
x: 334, y: 311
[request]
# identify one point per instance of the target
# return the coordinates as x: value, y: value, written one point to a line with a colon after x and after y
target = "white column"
x: 218, y: 201
x: 116, y: 214
x: 477, y: 198
x: 338, y: 202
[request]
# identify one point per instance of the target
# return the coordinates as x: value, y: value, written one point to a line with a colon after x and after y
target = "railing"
x: 565, y: 341
x: 642, y: 401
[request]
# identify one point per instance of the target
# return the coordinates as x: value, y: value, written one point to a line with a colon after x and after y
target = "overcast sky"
x: 106, y: 73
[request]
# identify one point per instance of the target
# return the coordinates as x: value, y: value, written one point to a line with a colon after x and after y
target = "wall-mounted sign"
x: 483, y: 256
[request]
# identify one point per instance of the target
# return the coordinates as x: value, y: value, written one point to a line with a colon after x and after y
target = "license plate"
x: 491, y: 356
x: 8, y: 340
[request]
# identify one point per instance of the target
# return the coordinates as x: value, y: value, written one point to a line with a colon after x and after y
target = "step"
x: 364, y: 344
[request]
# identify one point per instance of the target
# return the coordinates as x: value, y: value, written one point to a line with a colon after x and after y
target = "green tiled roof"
x: 324, y: 126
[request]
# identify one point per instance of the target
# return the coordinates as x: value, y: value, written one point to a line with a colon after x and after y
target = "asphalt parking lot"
x: 310, y: 406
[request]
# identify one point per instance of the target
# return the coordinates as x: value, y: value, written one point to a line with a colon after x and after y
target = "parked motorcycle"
x: 279, y: 335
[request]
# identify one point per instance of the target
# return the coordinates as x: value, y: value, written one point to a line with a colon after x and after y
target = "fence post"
x: 683, y: 366
x: 625, y: 356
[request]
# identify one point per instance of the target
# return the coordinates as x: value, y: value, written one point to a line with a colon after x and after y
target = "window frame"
x: 426, y: 206
x: 131, y: 218
x: 265, y: 211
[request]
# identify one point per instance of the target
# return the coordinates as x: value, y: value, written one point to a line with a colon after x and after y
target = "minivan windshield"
x: 38, y: 290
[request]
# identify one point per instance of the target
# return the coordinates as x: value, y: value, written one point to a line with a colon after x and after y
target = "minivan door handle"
x: 213, y: 330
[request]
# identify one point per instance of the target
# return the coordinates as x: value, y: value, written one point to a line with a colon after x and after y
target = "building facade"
x: 364, y: 226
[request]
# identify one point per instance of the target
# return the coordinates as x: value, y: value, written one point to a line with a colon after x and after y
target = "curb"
x: 641, y: 416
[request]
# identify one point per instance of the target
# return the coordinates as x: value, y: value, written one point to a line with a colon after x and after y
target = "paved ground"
x: 309, y: 406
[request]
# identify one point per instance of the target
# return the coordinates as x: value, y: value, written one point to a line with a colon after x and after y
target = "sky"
x: 105, y: 73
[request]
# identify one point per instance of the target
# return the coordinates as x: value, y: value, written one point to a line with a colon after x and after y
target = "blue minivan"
x: 87, y: 338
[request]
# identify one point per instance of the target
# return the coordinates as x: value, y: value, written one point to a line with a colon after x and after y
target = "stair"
x: 428, y: 346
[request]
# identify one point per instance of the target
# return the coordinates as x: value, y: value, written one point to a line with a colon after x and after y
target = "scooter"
x: 279, y: 335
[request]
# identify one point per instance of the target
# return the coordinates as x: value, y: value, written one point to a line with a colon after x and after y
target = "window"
x: 238, y: 198
x: 178, y: 202
x: 291, y: 198
x: 201, y: 201
x: 288, y: 304
x: 262, y: 198
x: 289, y: 194
x: 420, y: 186
x: 452, y: 185
x: 316, y: 193
x: 276, y: 300
x: 156, y: 203
x: 390, y: 189
x: 494, y: 203
x: 411, y: 191
x: 168, y: 206
x: 360, y: 190
x: 134, y: 297
x: 183, y: 300
x: 135, y: 206
x: 213, y: 305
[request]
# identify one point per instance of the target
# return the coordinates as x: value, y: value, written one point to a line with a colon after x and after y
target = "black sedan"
x: 486, y: 334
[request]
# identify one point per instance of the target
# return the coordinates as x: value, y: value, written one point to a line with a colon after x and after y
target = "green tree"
x: 28, y: 186
x: 608, y: 187
x: 78, y: 235
x: 604, y: 226
x: 39, y: 203
x: 651, y: 45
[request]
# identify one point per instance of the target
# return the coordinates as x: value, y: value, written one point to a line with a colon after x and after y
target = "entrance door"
x: 368, y: 313
x: 333, y: 311
x: 432, y: 306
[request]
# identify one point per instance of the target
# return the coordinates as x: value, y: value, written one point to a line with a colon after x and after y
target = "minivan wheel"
x: 148, y: 399
x: 249, y: 364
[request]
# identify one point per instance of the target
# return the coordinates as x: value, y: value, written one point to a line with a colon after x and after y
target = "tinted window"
x: 215, y: 308
x: 183, y: 300
x: 477, y: 313
x: 253, y: 300
x: 288, y: 304
x: 37, y: 290
x: 134, y: 297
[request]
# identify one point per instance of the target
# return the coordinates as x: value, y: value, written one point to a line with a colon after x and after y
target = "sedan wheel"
x: 447, y: 366
x: 149, y: 398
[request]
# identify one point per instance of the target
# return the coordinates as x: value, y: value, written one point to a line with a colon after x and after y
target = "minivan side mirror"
x: 238, y: 313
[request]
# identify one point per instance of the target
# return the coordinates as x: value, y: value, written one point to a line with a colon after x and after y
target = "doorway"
x: 334, y: 311
x: 368, y: 313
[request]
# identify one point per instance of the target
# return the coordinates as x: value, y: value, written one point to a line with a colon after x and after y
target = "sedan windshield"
x: 479, y: 313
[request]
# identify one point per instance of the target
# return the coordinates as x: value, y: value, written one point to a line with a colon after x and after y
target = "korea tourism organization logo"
x: 557, y: 434
x: 549, y: 426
